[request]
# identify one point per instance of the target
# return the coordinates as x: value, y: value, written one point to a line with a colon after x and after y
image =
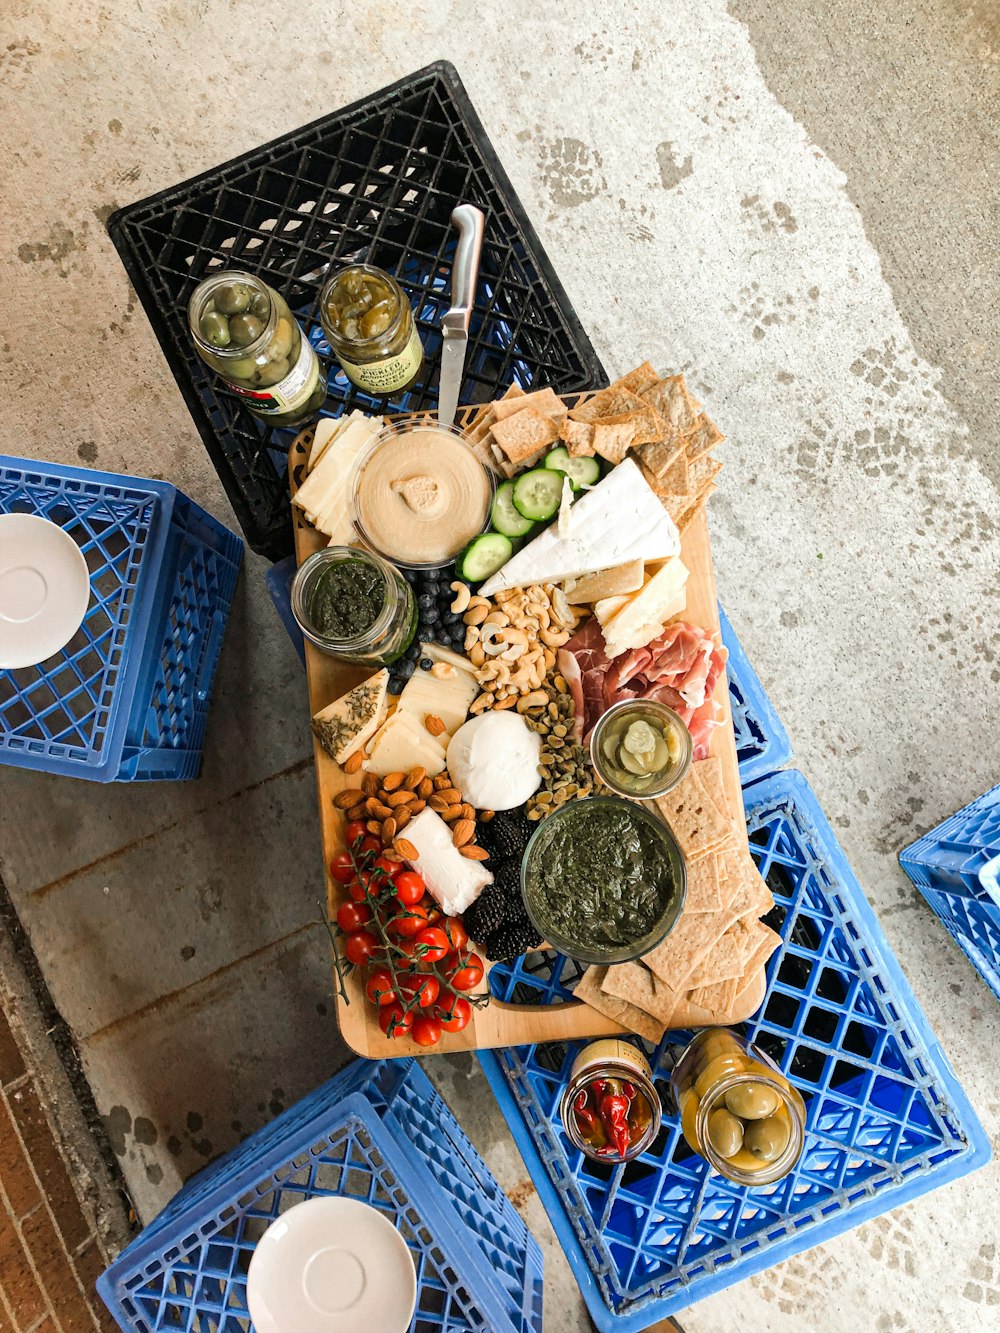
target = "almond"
x: 463, y: 831
x: 434, y: 724
x: 391, y: 854
x: 350, y: 796
x: 424, y: 787
x: 388, y: 831
x: 473, y: 852
x: 437, y: 802
x: 402, y: 816
x: 468, y: 812
x: 451, y: 794
x: 415, y: 777
x: 416, y: 807
x: 398, y: 798
x: 354, y: 761
x: 441, y: 781
x: 375, y: 807
x: 374, y: 827
x: 486, y: 815
x: 370, y: 784
x: 393, y: 780
x: 451, y: 812
x: 357, y: 811
x: 406, y: 849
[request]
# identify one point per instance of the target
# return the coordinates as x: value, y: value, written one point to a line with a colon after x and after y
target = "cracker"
x: 723, y: 961
x: 750, y: 894
x: 678, y: 409
x: 765, y: 941
x: 676, y: 957
x: 578, y: 437
x: 588, y: 989
x: 619, y: 406
x: 702, y: 473
x: 710, y: 777
x: 658, y: 456
x: 480, y: 425
x: 636, y: 985
x: 639, y: 380
x: 703, y: 436
x: 613, y: 439
x: 677, y: 506
x: 717, y: 997
x: 675, y: 479
x: 524, y: 433
x: 694, y: 818
x: 705, y: 880
x: 692, y: 511
x: 544, y: 401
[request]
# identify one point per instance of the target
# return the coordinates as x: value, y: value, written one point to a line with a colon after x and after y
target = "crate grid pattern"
x: 366, y: 1135
x: 885, y: 1118
x: 376, y: 181
x: 955, y: 866
x: 128, y: 696
x: 762, y: 744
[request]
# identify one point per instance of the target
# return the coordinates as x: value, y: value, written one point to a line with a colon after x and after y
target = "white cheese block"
x: 350, y: 721
x: 437, y: 652
x: 606, y: 583
x: 448, y: 698
x: 328, y: 479
x: 608, y: 607
x: 644, y: 615
x: 453, y: 881
x: 403, y: 744
x: 620, y: 520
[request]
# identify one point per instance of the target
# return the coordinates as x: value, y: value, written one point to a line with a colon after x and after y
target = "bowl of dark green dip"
x: 603, y: 880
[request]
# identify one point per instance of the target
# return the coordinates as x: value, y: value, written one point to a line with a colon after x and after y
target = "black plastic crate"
x: 375, y: 181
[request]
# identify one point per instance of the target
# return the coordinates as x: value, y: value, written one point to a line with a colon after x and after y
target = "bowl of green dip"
x: 603, y: 880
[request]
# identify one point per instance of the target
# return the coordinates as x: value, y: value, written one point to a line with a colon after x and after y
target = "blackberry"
x: 505, y: 838
x: 507, y: 877
x: 491, y: 911
x: 511, y: 940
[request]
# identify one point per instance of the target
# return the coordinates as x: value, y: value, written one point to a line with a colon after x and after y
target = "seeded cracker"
x: 524, y: 433
x: 705, y: 878
x: 656, y: 458
x: 717, y: 997
x: 693, y: 816
x: 544, y: 401
x: 675, y: 405
x: 723, y: 961
x: 613, y: 438
x: 588, y: 989
x: 578, y: 437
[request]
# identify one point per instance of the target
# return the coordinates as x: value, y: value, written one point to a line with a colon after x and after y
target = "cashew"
x: 522, y: 680
x: 536, y: 699
x: 497, y: 617
x: 512, y: 653
x: 501, y: 704
x: 553, y: 638
x: 484, y: 701
x: 495, y: 671
x: 494, y: 639
x: 516, y: 636
x: 548, y: 658
x: 471, y: 636
x: 462, y: 597
x: 476, y: 614
x: 476, y: 655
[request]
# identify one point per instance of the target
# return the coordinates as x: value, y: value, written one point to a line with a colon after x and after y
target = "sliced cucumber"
x: 484, y: 556
x: 537, y: 493
x: 504, y: 517
x: 581, y: 471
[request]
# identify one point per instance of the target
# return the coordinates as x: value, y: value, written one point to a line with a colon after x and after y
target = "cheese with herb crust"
x: 344, y: 726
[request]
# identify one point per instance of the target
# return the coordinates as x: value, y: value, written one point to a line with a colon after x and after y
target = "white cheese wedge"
x: 448, y: 698
x: 402, y: 744
x: 328, y: 479
x: 644, y: 615
x: 453, y: 881
x: 606, y: 583
x: 608, y: 607
x: 350, y: 721
x: 620, y: 520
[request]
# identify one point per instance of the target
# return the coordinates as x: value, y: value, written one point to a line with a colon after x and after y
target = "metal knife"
x: 455, y: 324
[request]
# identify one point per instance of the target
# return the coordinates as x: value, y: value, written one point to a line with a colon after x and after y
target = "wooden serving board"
x: 498, y: 1023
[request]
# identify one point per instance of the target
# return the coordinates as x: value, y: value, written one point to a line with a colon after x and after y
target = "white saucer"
x: 331, y: 1265
x: 44, y: 589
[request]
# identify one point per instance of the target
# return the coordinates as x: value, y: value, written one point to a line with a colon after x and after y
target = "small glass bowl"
x: 642, y: 710
x: 581, y: 950
x: 390, y: 433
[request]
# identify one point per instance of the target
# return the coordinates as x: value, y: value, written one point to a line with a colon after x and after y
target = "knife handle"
x: 465, y: 270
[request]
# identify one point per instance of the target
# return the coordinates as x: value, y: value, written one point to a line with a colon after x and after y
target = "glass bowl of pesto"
x: 354, y: 605
x: 640, y: 748
x: 603, y: 880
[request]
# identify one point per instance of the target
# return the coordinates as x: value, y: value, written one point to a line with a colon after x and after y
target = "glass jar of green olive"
x: 244, y: 330
x: 369, y: 325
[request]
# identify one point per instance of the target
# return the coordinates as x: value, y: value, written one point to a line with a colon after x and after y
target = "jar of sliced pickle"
x: 640, y: 748
x: 244, y: 330
x: 738, y: 1110
x: 371, y: 331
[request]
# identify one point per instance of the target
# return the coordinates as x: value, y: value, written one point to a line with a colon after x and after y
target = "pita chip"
x: 588, y: 989
x: 523, y: 434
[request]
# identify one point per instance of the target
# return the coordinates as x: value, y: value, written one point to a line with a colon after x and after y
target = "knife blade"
x: 470, y: 223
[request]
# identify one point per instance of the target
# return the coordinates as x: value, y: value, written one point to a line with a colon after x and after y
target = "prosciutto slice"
x: 680, y: 668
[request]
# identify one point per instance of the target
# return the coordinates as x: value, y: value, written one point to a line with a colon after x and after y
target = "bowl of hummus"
x: 419, y: 494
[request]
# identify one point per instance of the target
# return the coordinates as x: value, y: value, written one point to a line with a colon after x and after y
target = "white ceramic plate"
x: 44, y: 589
x: 331, y: 1265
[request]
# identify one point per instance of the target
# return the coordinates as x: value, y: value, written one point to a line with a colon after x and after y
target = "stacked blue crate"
x: 127, y: 698
x: 378, y: 1133
x: 886, y: 1118
x: 957, y: 867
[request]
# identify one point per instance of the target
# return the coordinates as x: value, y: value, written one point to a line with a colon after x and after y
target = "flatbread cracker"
x: 658, y: 456
x: 613, y: 439
x: 717, y: 997
x: 675, y: 480
x: 705, y: 880
x: 588, y: 989
x: 578, y: 437
x: 677, y: 506
x: 702, y: 473
x: 544, y: 401
x: 694, y: 818
x: 636, y: 985
x: 679, y: 410
x: 723, y: 961
x: 701, y: 438
x: 638, y: 380
x: 751, y: 896
x: 766, y: 941
x: 524, y: 433
x: 681, y: 952
x: 619, y: 406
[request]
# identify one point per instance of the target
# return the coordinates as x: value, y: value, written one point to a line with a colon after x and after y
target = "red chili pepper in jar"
x: 628, y: 1089
x: 613, y: 1109
x: 584, y: 1115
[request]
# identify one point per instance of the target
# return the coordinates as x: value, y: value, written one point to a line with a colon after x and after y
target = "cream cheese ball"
x: 493, y: 761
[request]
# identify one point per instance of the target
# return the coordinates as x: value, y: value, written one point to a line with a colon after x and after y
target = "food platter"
x: 499, y: 1023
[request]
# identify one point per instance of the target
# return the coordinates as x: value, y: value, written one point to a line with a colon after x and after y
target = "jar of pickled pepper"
x: 244, y: 330
x: 738, y: 1110
x: 610, y: 1108
x: 371, y: 331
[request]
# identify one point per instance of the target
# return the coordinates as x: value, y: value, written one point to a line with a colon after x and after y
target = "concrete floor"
x: 798, y: 208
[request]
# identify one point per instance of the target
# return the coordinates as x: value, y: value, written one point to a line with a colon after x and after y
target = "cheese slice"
x: 606, y: 583
x: 453, y: 881
x: 620, y: 520
x: 608, y: 607
x: 350, y: 721
x: 437, y: 652
x: 448, y: 698
x: 327, y: 430
x: 329, y: 477
x: 643, y: 616
x: 402, y: 744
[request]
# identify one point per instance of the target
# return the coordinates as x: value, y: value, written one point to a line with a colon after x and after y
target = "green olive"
x: 260, y: 305
x: 244, y: 369
x: 378, y: 319
x: 245, y: 329
x: 232, y: 298
x: 271, y: 373
x: 281, y: 343
x: 767, y: 1139
x: 752, y: 1101
x: 215, y: 328
x: 725, y: 1132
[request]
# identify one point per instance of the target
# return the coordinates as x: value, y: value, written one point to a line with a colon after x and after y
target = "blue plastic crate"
x: 762, y: 743
x: 886, y: 1118
x: 957, y: 867
x: 127, y: 699
x: 377, y: 1132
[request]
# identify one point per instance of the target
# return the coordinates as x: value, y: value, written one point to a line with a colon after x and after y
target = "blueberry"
x: 413, y: 652
x: 425, y: 664
x: 432, y: 586
x: 410, y: 575
x: 430, y: 615
x: 405, y: 668
x: 452, y: 618
x: 425, y: 601
x: 396, y: 684
x: 457, y: 635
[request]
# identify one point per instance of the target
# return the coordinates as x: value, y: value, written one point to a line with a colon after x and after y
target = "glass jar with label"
x: 371, y: 331
x: 610, y: 1109
x: 244, y: 330
x: 354, y: 605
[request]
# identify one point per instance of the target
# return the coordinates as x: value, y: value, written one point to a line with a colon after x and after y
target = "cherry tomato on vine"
x: 394, y: 1020
x: 378, y: 987
x: 384, y: 869
x: 410, y: 921
x: 357, y: 888
x: 432, y: 944
x: 352, y: 916
x: 407, y: 959
x: 360, y: 947
x: 454, y: 1013
x: 410, y: 888
x: 425, y: 988
x: 469, y: 973
x: 354, y: 832
x: 342, y: 868
x: 456, y: 932
x: 426, y: 1030
x: 369, y: 844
